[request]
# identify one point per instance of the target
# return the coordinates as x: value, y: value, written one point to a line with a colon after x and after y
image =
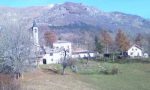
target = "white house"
x: 135, y: 51
x: 51, y: 58
x: 84, y: 54
x: 63, y: 45
x: 56, y: 54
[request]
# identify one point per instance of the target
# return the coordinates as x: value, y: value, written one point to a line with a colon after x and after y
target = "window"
x: 51, y: 54
x: 138, y: 54
x: 131, y: 53
x: 35, y: 30
x: 51, y: 59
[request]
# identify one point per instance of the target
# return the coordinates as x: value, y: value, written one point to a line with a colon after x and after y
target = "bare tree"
x: 16, y: 49
x: 67, y: 61
x: 106, y: 40
x: 88, y: 40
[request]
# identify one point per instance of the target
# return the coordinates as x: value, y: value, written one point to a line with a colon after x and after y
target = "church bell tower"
x: 35, y: 35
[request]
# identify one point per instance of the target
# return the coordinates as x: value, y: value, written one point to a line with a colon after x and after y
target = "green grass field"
x: 133, y: 76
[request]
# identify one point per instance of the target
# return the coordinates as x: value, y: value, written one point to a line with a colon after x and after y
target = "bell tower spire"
x: 35, y: 34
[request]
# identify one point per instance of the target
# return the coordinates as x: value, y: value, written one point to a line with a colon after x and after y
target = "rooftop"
x: 61, y: 41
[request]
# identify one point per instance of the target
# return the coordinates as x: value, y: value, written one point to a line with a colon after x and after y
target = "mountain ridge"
x: 77, y: 14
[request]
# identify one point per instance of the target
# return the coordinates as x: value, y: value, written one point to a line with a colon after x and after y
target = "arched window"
x: 35, y: 30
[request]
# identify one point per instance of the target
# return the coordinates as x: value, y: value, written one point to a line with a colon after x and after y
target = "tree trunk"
x: 22, y: 76
x: 37, y: 63
x: 113, y: 57
x: 107, y: 49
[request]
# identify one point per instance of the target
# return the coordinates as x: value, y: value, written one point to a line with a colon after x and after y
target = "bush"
x: 114, y: 70
x: 108, y: 70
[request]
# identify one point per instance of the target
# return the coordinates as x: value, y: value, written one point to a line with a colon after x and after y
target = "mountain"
x: 73, y: 17
x: 76, y: 15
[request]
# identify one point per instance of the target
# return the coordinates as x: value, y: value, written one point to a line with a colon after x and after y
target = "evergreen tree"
x: 98, y: 45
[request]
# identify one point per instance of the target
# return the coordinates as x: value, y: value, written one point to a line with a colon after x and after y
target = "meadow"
x: 130, y: 76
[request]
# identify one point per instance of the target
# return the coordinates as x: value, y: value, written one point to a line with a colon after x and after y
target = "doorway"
x: 44, y: 61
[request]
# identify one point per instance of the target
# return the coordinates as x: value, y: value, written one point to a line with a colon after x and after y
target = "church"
x: 48, y: 55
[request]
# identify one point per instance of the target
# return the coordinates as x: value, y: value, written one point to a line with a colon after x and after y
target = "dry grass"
x: 48, y: 80
x: 8, y: 83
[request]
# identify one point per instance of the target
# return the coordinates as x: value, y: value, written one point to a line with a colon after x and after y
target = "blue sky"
x: 137, y: 7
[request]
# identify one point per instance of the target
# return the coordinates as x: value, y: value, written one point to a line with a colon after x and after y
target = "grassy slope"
x: 135, y: 76
x: 47, y: 80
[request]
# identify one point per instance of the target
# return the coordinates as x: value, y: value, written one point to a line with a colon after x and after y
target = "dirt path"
x: 39, y: 80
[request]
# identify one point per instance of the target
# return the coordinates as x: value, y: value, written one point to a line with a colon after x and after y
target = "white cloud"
x: 51, y: 5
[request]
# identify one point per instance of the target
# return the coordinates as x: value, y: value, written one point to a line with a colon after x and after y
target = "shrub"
x: 114, y: 70
x: 108, y: 70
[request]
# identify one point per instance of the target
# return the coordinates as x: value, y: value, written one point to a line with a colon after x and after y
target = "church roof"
x: 137, y: 46
x: 34, y: 24
x: 62, y: 41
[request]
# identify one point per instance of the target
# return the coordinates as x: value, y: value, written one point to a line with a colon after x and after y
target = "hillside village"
x: 72, y: 46
x: 55, y: 54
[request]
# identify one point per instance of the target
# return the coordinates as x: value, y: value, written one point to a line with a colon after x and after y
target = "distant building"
x: 63, y: 45
x: 49, y: 55
x: 56, y: 54
x: 136, y: 51
x: 145, y: 55
x: 35, y: 37
x: 84, y: 54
